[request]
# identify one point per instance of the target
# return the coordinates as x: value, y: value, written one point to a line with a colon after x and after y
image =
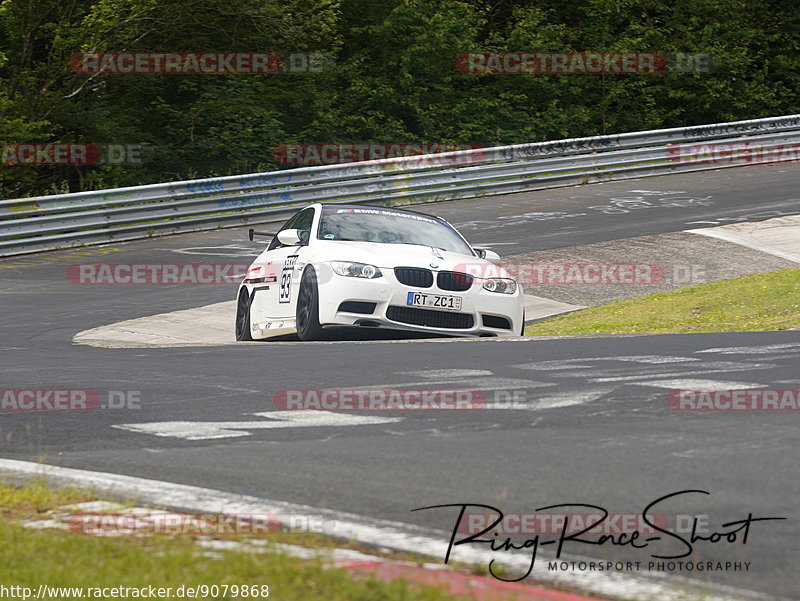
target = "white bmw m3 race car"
x: 360, y: 266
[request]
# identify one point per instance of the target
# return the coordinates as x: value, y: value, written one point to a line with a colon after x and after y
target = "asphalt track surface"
x: 596, y: 427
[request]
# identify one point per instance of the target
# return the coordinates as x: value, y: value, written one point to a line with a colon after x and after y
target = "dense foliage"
x: 393, y: 78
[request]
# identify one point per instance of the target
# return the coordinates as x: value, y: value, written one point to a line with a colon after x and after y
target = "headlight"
x: 500, y: 285
x: 356, y: 270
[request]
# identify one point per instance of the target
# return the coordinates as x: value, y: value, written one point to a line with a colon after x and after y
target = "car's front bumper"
x: 381, y: 303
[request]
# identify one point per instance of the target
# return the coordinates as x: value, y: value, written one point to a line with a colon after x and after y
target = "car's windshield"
x: 389, y: 227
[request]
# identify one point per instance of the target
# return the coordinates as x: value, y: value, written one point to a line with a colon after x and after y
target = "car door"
x: 286, y: 263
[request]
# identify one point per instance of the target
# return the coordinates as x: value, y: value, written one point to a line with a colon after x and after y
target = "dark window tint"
x: 302, y: 221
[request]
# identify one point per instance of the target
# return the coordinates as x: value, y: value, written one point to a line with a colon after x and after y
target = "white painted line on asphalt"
x: 699, y: 384
x: 565, y: 399
x: 446, y: 373
x: 752, y: 350
x: 225, y: 250
x: 581, y: 363
x: 380, y: 533
x: 655, y: 359
x: 482, y: 383
x: 703, y: 369
x: 504, y: 385
x: 276, y: 419
x: 646, y: 379
x: 560, y: 364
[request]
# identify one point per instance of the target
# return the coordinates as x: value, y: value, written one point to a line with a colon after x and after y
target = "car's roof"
x: 380, y: 208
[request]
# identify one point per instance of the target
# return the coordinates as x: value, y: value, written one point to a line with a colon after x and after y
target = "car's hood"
x: 388, y: 256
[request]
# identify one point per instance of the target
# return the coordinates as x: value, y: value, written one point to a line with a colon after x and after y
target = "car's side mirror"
x: 290, y: 237
x: 251, y: 233
x: 489, y: 255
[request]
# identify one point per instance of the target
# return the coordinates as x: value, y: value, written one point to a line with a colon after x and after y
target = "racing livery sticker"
x: 285, y: 291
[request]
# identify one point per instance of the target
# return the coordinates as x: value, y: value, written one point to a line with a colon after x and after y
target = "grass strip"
x: 753, y: 303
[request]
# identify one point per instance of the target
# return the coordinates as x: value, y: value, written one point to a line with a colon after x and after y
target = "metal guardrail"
x: 68, y: 220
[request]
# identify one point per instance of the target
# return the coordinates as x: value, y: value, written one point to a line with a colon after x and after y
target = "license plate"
x: 434, y: 301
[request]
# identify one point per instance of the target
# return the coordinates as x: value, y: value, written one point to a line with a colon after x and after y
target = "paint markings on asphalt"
x: 583, y: 362
x: 752, y: 350
x: 559, y: 364
x: 484, y: 383
x: 654, y: 359
x: 187, y: 430
x: 447, y: 373
x: 564, y: 399
x: 700, y: 384
x: 708, y: 368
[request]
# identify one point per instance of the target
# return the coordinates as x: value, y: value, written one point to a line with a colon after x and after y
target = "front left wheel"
x: 308, y: 327
x: 243, y: 316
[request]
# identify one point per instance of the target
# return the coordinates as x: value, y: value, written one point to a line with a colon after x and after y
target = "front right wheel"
x: 307, y: 314
x: 243, y: 316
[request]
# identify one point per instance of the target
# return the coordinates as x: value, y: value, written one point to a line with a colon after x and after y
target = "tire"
x: 522, y: 329
x: 307, y: 312
x: 243, y: 316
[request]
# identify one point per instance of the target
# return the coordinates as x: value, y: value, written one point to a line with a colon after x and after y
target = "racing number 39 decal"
x: 285, y: 292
